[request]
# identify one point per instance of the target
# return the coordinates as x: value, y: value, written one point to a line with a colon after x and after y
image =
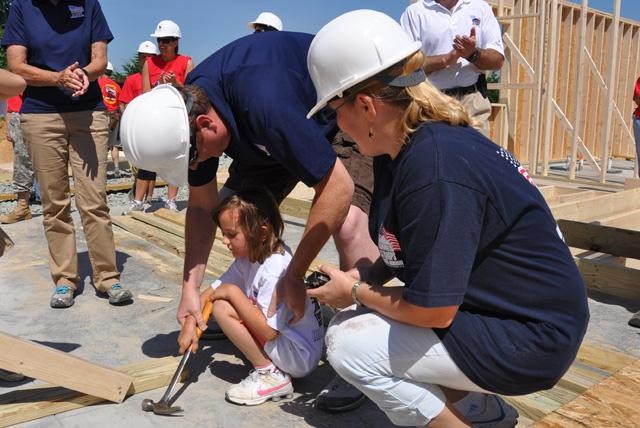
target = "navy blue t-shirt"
x: 260, y: 86
x: 459, y: 221
x: 55, y: 38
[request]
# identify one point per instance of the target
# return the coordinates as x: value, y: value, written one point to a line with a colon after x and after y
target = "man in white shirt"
x: 460, y: 40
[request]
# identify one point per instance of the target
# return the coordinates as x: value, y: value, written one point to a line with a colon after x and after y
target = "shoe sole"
x: 126, y: 297
x: 61, y: 305
x: 261, y: 400
x: 339, y: 409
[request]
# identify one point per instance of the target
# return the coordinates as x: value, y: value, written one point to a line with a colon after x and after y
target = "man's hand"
x: 291, y: 290
x: 465, y: 45
x: 82, y: 77
x: 188, y: 337
x: 190, y: 306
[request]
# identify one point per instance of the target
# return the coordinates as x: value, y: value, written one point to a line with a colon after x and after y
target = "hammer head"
x: 160, y: 408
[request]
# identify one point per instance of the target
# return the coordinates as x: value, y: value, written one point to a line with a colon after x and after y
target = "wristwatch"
x: 354, y: 296
x: 474, y: 56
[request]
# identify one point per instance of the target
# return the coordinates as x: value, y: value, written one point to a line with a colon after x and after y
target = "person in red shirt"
x: 145, y: 181
x: 636, y: 120
x: 167, y: 67
x: 110, y: 93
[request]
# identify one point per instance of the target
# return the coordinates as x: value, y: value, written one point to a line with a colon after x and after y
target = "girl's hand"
x: 336, y: 292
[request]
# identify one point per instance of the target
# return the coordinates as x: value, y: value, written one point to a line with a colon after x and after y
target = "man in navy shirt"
x: 248, y: 100
x: 60, y: 48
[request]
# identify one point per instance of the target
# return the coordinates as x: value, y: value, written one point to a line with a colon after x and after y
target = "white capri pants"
x: 398, y: 366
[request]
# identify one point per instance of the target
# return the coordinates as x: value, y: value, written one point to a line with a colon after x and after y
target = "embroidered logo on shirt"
x: 475, y: 21
x: 110, y: 96
x: 76, y: 11
x: 512, y: 160
x: 389, y: 248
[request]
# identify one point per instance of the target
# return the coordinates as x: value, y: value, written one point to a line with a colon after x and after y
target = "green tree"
x: 4, y: 13
x: 130, y: 67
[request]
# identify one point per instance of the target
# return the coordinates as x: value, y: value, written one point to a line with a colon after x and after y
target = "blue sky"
x: 207, y: 25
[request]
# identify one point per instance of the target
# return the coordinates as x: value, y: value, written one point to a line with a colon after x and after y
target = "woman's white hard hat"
x: 148, y: 47
x: 353, y: 47
x: 267, y: 18
x: 167, y: 28
x: 154, y: 131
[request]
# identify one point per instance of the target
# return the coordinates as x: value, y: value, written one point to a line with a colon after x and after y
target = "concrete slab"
x: 115, y: 336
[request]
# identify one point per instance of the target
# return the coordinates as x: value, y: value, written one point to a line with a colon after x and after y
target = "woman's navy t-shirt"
x: 460, y: 222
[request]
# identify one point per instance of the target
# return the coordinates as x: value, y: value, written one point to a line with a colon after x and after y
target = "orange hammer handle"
x: 206, y: 313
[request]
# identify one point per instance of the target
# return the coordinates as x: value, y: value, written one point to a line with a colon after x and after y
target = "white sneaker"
x: 496, y: 414
x: 134, y: 206
x: 260, y: 386
x: 170, y: 204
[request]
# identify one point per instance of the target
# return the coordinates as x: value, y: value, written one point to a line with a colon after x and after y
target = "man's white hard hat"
x: 167, y: 28
x: 267, y: 18
x: 353, y: 47
x: 154, y: 131
x: 148, y: 47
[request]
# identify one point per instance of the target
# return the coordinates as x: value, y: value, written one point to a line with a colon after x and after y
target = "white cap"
x: 353, y: 47
x: 167, y: 28
x: 154, y: 131
x: 269, y: 19
x: 148, y: 47
x: 109, y: 66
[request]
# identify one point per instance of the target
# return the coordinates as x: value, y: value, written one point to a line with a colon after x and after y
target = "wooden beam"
x: 59, y: 368
x: 44, y: 400
x: 577, y: 117
x: 5, y: 242
x: 610, y: 279
x: 598, y: 206
x: 537, y: 96
x: 550, y: 92
x: 602, y: 239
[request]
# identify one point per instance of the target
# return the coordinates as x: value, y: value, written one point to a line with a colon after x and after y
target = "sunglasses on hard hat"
x: 166, y: 39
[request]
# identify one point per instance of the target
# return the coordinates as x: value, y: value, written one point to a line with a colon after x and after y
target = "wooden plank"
x: 611, y: 403
x: 575, y: 196
x: 158, y: 222
x: 5, y: 242
x: 598, y: 206
x: 610, y: 279
x: 626, y: 220
x: 28, y: 404
x: 59, y: 368
x: 603, y: 239
x: 295, y: 207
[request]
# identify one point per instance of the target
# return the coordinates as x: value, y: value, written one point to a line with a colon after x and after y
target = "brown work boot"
x: 20, y: 212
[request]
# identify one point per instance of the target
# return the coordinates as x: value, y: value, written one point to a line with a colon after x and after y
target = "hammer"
x: 164, y: 407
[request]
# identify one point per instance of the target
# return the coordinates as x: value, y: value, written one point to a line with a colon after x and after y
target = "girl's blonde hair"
x: 256, y: 208
x: 422, y: 103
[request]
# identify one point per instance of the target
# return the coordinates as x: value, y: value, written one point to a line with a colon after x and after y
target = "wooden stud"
x: 603, y: 239
x: 59, y: 368
x: 44, y: 400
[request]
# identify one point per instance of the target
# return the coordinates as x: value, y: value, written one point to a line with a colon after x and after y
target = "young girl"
x: 251, y: 228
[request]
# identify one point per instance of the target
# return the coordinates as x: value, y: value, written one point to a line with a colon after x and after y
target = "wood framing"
x: 59, y: 368
x: 567, y: 82
x: 603, y: 239
x: 28, y: 404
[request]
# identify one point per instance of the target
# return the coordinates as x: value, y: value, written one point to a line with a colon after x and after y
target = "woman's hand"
x: 336, y: 292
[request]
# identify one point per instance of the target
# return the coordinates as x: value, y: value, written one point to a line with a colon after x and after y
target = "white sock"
x: 267, y: 367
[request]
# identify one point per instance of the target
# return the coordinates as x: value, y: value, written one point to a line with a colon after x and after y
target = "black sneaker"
x: 339, y: 396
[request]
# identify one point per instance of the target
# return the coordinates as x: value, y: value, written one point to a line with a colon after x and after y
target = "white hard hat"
x: 109, y: 66
x: 267, y: 18
x: 148, y: 47
x: 167, y: 28
x: 353, y: 47
x: 154, y: 131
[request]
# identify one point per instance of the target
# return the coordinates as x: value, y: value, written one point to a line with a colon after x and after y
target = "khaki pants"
x: 54, y: 141
x: 478, y: 108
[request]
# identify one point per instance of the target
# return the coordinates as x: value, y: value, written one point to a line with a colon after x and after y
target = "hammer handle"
x: 206, y: 313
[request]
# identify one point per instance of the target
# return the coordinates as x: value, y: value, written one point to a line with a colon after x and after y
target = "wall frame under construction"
x: 583, y: 57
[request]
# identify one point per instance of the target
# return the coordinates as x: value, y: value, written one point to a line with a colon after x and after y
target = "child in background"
x: 252, y: 227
